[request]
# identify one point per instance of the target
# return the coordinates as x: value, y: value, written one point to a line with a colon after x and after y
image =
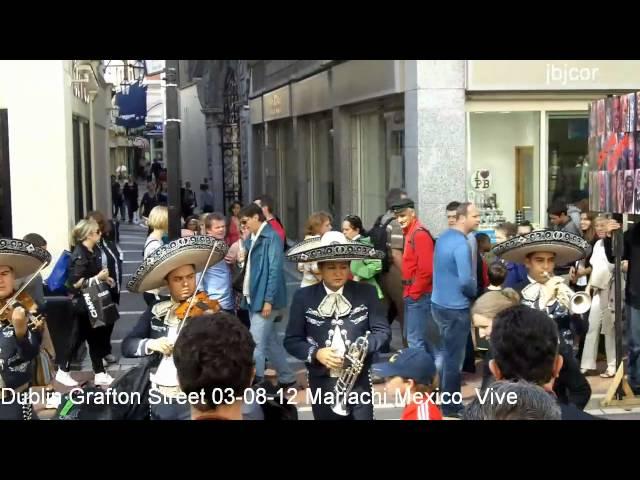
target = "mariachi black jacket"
x: 307, y: 331
x: 16, y: 355
x: 150, y: 326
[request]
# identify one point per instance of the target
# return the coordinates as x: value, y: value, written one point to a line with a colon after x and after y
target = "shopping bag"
x: 100, y: 307
x: 57, y: 279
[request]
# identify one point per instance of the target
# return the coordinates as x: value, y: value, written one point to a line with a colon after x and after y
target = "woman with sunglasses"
x: 85, y: 269
x: 362, y: 270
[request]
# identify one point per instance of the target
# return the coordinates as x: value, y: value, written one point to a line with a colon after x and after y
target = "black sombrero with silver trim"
x: 568, y: 247
x: 23, y: 257
x: 193, y: 250
x: 332, y: 247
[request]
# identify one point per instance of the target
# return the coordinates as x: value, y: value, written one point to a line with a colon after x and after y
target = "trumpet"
x: 356, y: 356
x: 577, y: 302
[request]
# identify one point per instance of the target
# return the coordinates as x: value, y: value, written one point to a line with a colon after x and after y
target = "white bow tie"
x: 334, y: 304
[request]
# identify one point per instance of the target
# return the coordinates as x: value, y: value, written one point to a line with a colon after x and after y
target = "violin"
x: 200, y: 305
x: 24, y: 300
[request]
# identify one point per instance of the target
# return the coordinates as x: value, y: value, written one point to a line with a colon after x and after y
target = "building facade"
x: 54, y: 121
x: 509, y: 135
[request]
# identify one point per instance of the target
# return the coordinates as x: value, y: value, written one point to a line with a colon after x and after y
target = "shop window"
x: 505, y: 157
x: 77, y: 171
x: 568, y: 158
x: 88, y: 171
x: 378, y: 152
x: 315, y: 136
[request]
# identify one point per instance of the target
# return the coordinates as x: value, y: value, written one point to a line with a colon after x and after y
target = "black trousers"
x: 107, y: 339
x: 95, y: 337
x: 322, y: 410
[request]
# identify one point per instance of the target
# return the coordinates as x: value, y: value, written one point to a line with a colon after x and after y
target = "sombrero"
x: 193, y: 250
x: 23, y: 257
x: 332, y: 247
x: 568, y: 247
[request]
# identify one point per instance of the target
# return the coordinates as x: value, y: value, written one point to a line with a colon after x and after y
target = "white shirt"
x: 329, y: 291
x: 247, y: 282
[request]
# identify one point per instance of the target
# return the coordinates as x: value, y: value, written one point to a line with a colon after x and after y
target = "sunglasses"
x: 243, y: 222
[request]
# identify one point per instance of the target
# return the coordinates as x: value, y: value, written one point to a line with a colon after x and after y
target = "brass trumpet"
x: 577, y: 302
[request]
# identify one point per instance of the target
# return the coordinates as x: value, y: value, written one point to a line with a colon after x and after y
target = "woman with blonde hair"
x: 85, y: 269
x: 601, y: 318
x: 159, y: 226
x: 317, y: 224
x: 111, y: 257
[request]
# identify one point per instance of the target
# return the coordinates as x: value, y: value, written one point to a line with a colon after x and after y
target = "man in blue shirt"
x: 217, y: 279
x: 454, y: 288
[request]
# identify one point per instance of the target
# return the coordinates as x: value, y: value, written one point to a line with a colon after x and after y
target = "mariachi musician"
x: 329, y: 320
x: 175, y: 266
x: 20, y: 326
x: 540, y: 251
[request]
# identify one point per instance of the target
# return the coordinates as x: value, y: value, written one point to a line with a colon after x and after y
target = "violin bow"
x: 193, y: 297
x: 15, y: 295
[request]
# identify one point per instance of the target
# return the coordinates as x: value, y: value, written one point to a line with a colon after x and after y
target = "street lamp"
x: 132, y: 73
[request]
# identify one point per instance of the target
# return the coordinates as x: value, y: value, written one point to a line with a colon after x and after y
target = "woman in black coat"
x: 111, y: 257
x: 85, y: 269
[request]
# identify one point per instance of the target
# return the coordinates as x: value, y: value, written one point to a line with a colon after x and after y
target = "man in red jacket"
x: 266, y: 203
x: 417, y: 273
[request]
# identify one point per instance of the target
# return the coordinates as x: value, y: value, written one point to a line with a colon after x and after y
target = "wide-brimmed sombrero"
x: 194, y: 250
x: 23, y: 257
x: 332, y: 247
x: 568, y: 247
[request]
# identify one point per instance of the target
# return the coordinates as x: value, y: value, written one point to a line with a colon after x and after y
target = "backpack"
x: 378, y: 236
x: 412, y: 240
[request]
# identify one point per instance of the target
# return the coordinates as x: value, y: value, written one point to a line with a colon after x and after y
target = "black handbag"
x: 237, y: 279
x: 99, y: 305
x: 135, y: 381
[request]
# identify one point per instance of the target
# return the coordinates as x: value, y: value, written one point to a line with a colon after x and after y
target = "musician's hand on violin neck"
x: 328, y: 357
x: 162, y: 345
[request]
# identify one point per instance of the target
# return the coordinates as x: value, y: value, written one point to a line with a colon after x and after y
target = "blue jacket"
x: 266, y: 278
x: 454, y: 287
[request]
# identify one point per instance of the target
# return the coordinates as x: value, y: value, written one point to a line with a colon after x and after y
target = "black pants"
x: 244, y: 317
x: 132, y: 206
x: 107, y: 339
x: 322, y: 411
x: 95, y: 337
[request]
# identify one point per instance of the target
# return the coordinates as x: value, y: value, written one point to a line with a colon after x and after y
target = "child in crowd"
x: 411, y: 374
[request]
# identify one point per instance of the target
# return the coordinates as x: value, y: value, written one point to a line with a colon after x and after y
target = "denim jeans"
x: 265, y: 333
x: 454, y: 328
x: 633, y: 317
x: 417, y: 315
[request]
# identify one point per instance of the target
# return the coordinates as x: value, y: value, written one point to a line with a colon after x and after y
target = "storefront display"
x: 614, y: 185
